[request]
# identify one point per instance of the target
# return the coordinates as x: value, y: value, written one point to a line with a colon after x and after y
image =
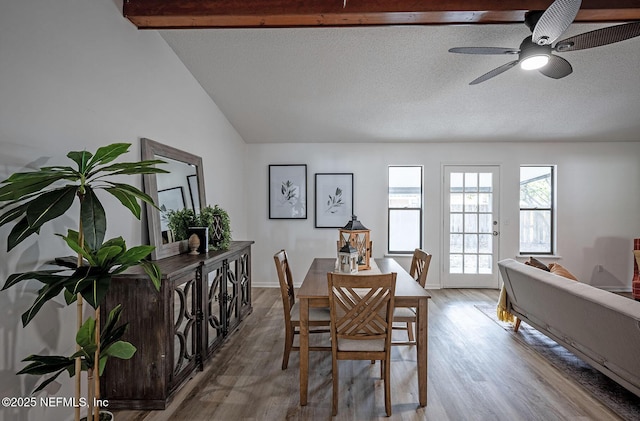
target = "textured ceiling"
x: 400, y: 84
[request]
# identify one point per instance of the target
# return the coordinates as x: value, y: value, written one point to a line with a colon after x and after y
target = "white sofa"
x: 600, y: 327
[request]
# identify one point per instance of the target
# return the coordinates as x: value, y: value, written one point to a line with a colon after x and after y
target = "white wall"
x: 76, y: 75
x: 597, y: 188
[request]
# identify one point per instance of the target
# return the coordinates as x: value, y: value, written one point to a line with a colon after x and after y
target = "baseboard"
x: 265, y: 285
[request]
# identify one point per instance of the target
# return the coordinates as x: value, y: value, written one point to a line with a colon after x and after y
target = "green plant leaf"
x: 121, y: 349
x: 106, y: 254
x: 116, y: 241
x: 86, y: 334
x: 69, y: 297
x: 139, y: 194
x: 20, y: 231
x: 46, y: 293
x: 80, y: 158
x: 12, y: 214
x: 94, y: 219
x: 22, y: 184
x: 134, y: 255
x: 110, y: 332
x: 102, y: 364
x: 96, y: 291
x: 44, y: 276
x: 50, y: 205
x: 112, y: 318
x: 46, y: 382
x: 127, y: 199
x: 143, y: 167
x: 153, y: 271
x: 44, y: 364
x: 90, y: 282
x: 86, y: 354
x: 106, y: 154
x: 72, y: 241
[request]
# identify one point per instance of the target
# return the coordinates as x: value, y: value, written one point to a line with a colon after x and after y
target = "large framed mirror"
x: 182, y: 187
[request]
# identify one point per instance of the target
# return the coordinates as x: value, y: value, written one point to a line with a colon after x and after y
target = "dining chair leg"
x: 410, y: 332
x: 288, y: 345
x: 387, y: 385
x: 334, y: 372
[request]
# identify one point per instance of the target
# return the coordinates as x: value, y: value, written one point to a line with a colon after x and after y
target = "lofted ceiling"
x: 366, y: 82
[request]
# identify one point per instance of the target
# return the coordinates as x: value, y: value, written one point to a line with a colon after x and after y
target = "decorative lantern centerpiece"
x: 347, y: 259
x: 357, y: 236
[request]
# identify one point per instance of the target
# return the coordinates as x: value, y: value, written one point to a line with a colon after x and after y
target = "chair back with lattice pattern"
x: 361, y: 309
x: 420, y: 266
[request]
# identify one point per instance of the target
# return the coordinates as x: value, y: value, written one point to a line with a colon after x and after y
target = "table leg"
x: 422, y: 350
x: 304, y: 350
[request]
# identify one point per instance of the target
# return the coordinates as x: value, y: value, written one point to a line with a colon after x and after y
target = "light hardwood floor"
x: 477, y: 371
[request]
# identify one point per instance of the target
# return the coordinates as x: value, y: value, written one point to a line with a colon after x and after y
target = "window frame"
x: 551, y: 209
x: 420, y: 209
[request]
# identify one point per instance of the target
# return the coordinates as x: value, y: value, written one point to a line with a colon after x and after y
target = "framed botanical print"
x: 288, y: 191
x: 334, y: 199
x: 192, y: 182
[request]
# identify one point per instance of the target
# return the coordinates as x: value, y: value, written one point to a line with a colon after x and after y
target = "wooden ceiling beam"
x: 168, y: 14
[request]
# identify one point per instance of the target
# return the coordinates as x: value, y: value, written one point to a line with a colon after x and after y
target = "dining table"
x: 314, y: 292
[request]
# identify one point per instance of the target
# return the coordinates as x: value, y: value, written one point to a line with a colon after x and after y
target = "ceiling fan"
x: 536, y: 51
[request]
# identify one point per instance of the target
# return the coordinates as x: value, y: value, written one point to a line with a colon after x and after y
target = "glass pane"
x: 470, y: 263
x: 484, y: 202
x: 456, y: 201
x: 404, y: 229
x: 455, y: 243
x: 405, y: 177
x: 485, y: 222
x: 455, y: 263
x: 471, y: 182
x: 456, y: 223
x: 484, y: 264
x: 471, y: 222
x: 470, y: 243
x: 535, y: 231
x: 486, y: 182
x: 214, y: 313
x: 405, y: 187
x: 456, y: 182
x: 485, y: 242
x: 471, y: 202
x: 535, y: 187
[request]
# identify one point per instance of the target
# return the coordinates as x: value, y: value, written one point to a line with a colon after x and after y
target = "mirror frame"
x: 155, y: 150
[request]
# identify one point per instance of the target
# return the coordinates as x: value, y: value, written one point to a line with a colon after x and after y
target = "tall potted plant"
x: 34, y: 198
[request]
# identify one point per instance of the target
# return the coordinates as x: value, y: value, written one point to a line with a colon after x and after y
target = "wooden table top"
x: 315, y: 282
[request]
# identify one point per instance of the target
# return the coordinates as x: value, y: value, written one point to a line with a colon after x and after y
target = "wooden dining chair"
x: 361, y: 309
x: 318, y: 317
x: 419, y: 269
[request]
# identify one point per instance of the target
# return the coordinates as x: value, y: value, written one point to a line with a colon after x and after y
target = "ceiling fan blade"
x: 494, y: 72
x: 599, y: 37
x: 555, y: 20
x: 484, y: 50
x: 556, y: 68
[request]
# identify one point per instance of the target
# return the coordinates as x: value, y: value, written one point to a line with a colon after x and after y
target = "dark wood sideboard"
x: 202, y: 300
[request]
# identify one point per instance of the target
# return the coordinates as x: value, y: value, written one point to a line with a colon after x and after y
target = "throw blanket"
x: 503, y: 313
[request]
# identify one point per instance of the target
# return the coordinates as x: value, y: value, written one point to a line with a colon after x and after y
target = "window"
x: 537, y: 213
x: 405, y: 208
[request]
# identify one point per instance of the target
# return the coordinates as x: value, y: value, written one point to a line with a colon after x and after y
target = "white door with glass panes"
x: 470, y: 249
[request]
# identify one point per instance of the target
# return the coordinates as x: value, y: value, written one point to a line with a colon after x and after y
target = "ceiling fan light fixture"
x: 534, y: 62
